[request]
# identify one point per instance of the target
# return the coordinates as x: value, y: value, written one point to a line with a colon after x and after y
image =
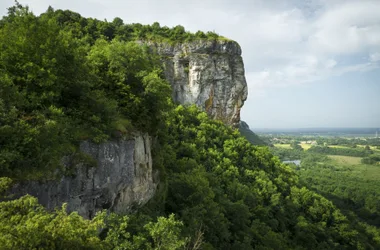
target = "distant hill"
x: 250, y: 135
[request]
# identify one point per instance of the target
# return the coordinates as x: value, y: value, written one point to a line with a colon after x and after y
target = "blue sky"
x: 350, y: 100
x: 308, y: 63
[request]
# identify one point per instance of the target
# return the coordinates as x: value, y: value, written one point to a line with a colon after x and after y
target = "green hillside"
x: 250, y: 135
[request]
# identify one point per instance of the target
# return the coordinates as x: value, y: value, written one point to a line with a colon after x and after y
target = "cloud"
x: 348, y: 28
x: 331, y: 41
x: 375, y: 57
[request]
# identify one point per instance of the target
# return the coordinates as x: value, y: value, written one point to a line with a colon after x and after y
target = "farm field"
x: 346, y: 160
x: 287, y: 146
x: 282, y: 146
x: 356, y: 168
x: 306, y: 146
x: 337, y: 146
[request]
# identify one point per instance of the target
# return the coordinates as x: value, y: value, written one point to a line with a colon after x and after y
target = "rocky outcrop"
x: 122, y: 180
x: 209, y: 74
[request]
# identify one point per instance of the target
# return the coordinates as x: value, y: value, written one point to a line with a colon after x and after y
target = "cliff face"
x: 209, y: 74
x: 122, y: 180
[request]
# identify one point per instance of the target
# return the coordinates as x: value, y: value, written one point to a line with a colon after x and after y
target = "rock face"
x: 209, y: 74
x: 122, y: 180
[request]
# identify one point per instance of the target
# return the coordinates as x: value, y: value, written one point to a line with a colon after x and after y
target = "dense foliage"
x: 238, y: 196
x: 347, y: 180
x: 351, y: 186
x: 372, y: 159
x: 64, y: 78
x: 358, y: 152
x: 93, y: 29
x: 241, y: 195
x: 57, y: 90
x: 349, y: 142
x: 287, y: 154
x: 25, y: 224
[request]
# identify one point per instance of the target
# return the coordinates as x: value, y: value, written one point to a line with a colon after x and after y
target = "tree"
x: 295, y: 145
x: 166, y: 233
x: 24, y: 224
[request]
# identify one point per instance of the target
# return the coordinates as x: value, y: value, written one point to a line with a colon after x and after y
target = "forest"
x: 65, y: 78
x: 342, y: 171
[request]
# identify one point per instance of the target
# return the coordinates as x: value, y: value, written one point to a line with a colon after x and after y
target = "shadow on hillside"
x: 348, y: 205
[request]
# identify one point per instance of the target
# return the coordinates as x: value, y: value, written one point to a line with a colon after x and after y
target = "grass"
x: 287, y: 146
x: 346, y: 160
x: 306, y: 146
x: 283, y: 146
x: 337, y: 146
x: 354, y: 165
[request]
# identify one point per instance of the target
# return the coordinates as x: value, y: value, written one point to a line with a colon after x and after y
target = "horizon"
x: 368, y: 132
x: 318, y: 128
x: 307, y: 64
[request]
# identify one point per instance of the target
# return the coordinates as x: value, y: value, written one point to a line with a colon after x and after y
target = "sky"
x: 308, y: 63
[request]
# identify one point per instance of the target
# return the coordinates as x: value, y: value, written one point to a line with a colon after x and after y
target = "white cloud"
x: 374, y: 57
x: 315, y: 48
x: 348, y: 28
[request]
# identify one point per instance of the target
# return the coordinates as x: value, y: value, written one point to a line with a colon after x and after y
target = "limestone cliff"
x: 122, y: 180
x: 209, y: 74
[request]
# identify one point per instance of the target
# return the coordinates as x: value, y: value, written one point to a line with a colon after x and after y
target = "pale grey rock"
x: 209, y: 74
x: 122, y: 181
